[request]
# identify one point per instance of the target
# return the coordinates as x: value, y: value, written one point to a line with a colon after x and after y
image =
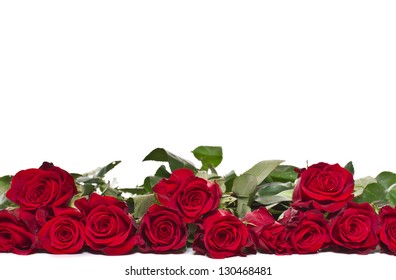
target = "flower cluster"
x: 52, y: 216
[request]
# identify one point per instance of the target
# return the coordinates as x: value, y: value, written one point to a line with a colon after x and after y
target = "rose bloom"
x: 307, y: 232
x: 355, y: 228
x: 63, y: 234
x: 221, y: 235
x: 189, y: 195
x: 15, y: 236
x: 267, y: 234
x: 324, y: 187
x: 387, y: 217
x: 162, y: 230
x: 109, y: 227
x: 47, y: 186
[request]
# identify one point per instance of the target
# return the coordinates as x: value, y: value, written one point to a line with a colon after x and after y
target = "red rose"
x: 221, y: 235
x: 47, y: 186
x: 108, y: 226
x: 63, y: 234
x: 387, y: 217
x: 355, y: 228
x: 189, y: 195
x: 324, y: 187
x: 307, y: 232
x: 162, y: 230
x: 15, y: 236
x: 267, y: 234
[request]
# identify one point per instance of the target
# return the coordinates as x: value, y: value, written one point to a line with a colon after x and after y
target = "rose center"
x: 329, y: 183
x: 193, y: 200
x: 64, y: 234
x: 224, y: 237
x: 164, y: 231
x: 392, y: 230
x: 357, y: 229
x: 102, y: 225
x: 5, y: 237
x: 38, y: 193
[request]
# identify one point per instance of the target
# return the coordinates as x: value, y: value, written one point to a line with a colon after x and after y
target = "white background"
x: 83, y: 83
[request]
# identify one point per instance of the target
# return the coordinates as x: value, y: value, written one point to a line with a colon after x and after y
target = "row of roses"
x: 322, y: 216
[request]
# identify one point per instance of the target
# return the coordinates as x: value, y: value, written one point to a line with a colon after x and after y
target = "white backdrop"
x: 83, y: 83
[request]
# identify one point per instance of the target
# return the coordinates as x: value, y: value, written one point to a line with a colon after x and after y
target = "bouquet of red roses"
x: 271, y: 208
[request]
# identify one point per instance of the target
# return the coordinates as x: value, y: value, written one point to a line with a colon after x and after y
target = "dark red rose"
x: 355, y: 228
x: 15, y: 237
x: 48, y: 186
x: 63, y: 234
x: 162, y: 230
x: 324, y: 187
x: 191, y: 196
x: 221, y: 235
x: 267, y: 234
x: 387, y: 217
x: 307, y: 232
x: 108, y: 226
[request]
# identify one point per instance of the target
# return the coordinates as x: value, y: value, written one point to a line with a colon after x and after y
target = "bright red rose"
x: 324, y: 187
x: 108, y: 226
x: 162, y: 230
x: 355, y: 228
x: 48, y: 186
x: 63, y: 234
x: 267, y: 234
x: 15, y: 237
x: 221, y: 235
x: 387, y: 217
x: 189, y: 195
x: 307, y: 232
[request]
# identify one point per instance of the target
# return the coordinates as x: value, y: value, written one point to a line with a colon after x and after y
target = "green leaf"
x: 360, y: 184
x: 363, y: 182
x: 141, y: 204
x: 137, y: 190
x: 349, y: 166
x: 283, y: 174
x: 220, y: 182
x: 242, y: 207
x: 87, y: 189
x: 202, y: 174
x: 386, y: 179
x: 5, y: 183
x: 372, y: 192
x: 75, y: 175
x: 102, y: 172
x: 150, y: 182
x: 110, y: 191
x: 210, y: 156
x: 274, y: 188
x: 131, y: 204
x: 192, y: 229
x: 268, y: 200
x: 227, y: 201
x: 3, y: 200
x: 262, y: 169
x: 274, y: 194
x: 174, y: 161
x: 391, y: 195
x: 244, y: 185
x: 89, y: 180
x: 162, y: 172
x: 229, y: 180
